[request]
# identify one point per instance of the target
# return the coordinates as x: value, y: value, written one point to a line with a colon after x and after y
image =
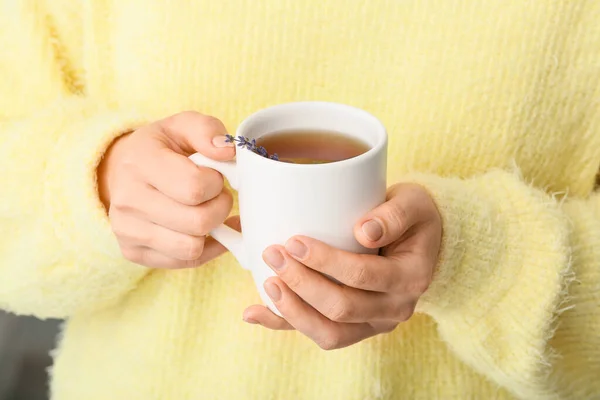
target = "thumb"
x: 389, y: 221
x: 193, y: 132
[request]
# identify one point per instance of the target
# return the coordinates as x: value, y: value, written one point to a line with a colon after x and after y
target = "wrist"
x: 106, y: 169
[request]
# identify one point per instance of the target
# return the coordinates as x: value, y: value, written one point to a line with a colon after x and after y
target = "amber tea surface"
x: 312, y: 147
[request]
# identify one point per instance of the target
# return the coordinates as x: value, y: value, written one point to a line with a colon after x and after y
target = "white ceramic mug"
x: 278, y: 200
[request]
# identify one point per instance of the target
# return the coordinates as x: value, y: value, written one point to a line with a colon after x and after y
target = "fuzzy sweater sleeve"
x: 517, y: 293
x: 57, y: 253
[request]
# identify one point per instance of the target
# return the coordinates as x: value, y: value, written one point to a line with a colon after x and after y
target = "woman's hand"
x: 376, y: 292
x: 160, y: 204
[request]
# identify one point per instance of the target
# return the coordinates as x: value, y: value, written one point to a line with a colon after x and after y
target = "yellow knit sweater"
x: 492, y: 105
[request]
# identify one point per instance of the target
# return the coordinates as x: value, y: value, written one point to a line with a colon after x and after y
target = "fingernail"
x: 296, y: 248
x: 372, y: 230
x: 274, y: 258
x: 273, y: 291
x: 221, y: 141
x: 251, y: 321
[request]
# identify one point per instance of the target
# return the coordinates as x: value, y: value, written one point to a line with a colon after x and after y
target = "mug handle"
x: 228, y: 237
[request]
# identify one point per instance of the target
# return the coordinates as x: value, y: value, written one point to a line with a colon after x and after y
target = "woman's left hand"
x: 376, y: 292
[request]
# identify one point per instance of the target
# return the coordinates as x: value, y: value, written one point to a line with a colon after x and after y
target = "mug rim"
x: 367, y: 155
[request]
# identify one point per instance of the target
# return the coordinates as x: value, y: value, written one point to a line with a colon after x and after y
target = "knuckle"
x: 211, y: 122
x: 195, y: 192
x: 128, y: 163
x: 199, y: 180
x: 405, y: 312
x: 192, y: 248
x: 226, y: 201
x: 211, y: 180
x: 292, y: 279
x: 199, y: 223
x: 132, y: 254
x: 359, y: 276
x: 143, y: 236
x: 132, y: 235
x: 117, y: 229
x: 391, y: 282
x: 389, y: 285
x: 121, y: 230
x: 208, y: 122
x: 329, y: 342
x: 387, y: 328
x: 393, y: 191
x: 120, y: 201
x: 173, y: 121
x: 339, y: 311
x: 419, y: 286
x: 421, y: 196
x: 398, y: 216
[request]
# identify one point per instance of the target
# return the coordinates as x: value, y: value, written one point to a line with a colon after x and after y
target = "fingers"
x: 407, y: 205
x: 140, y: 238
x: 361, y: 271
x: 136, y: 252
x: 157, y: 154
x: 153, y: 259
x: 143, y: 218
x: 136, y: 232
x: 212, y: 248
x: 191, y: 220
x: 176, y: 176
x: 161, y: 205
x: 336, y: 302
x: 194, y: 132
x: 262, y: 315
x: 327, y: 334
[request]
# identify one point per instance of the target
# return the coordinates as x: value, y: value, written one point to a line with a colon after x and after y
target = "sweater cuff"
x: 70, y: 183
x: 504, y: 246
x: 74, y: 207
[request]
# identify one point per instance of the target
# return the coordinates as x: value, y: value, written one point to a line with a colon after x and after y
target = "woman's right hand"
x: 160, y: 204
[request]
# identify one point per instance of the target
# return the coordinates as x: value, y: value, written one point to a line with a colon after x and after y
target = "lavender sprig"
x: 242, y: 142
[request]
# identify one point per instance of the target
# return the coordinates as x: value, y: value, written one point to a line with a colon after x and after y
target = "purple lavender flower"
x: 242, y: 142
x: 262, y: 151
x: 229, y: 138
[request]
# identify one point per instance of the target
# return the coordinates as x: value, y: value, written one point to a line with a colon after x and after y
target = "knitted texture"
x: 493, y: 106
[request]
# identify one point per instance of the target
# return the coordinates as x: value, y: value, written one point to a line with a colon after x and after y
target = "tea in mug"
x: 312, y: 147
